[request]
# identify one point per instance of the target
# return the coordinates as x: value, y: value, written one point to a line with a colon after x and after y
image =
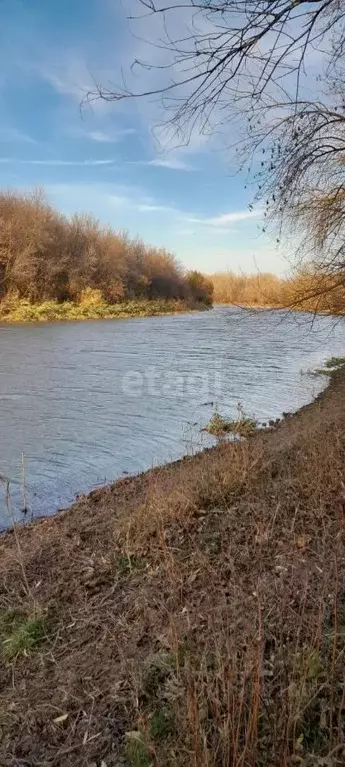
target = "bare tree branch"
x: 247, y: 61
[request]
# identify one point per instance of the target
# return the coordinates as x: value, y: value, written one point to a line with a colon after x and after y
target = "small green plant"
x: 136, y: 751
x: 126, y: 565
x: 314, y: 665
x: 162, y: 724
x: 218, y: 426
x: 20, y: 634
x: 330, y: 365
x: 334, y: 362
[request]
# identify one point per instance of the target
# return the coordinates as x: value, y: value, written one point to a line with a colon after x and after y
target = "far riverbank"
x: 53, y: 311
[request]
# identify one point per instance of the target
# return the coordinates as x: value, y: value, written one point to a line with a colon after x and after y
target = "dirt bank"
x: 191, y: 616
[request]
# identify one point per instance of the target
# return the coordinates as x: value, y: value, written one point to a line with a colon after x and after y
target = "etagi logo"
x: 173, y: 383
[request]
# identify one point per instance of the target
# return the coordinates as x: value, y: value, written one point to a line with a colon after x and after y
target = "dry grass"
x: 194, y: 616
x: 22, y: 310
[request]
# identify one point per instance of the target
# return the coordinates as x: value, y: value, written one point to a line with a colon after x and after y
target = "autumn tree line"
x: 45, y: 256
x: 308, y: 289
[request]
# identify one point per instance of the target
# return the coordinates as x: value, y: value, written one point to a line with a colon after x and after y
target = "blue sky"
x: 106, y: 159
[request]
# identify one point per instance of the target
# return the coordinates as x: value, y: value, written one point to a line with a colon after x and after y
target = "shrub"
x: 201, y: 288
x: 242, y: 426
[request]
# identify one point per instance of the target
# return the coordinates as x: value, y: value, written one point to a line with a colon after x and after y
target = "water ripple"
x: 86, y: 402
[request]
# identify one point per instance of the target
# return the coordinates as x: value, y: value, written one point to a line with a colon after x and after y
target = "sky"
x: 105, y: 158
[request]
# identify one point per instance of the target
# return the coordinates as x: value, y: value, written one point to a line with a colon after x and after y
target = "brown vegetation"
x: 192, y: 616
x: 248, y: 289
x: 45, y: 256
x: 308, y: 289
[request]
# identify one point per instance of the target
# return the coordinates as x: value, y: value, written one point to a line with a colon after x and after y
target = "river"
x: 88, y: 402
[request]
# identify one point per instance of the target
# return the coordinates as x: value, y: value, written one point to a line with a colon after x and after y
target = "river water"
x: 87, y: 402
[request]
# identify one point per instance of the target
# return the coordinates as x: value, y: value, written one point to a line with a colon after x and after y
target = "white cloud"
x: 148, y: 208
x: 227, y: 218
x: 98, y: 135
x: 67, y: 74
x: 207, y: 233
x: 81, y: 163
x: 114, y: 195
x: 172, y: 163
x: 107, y: 138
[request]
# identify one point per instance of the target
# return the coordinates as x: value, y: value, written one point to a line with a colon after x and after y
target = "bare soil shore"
x: 191, y: 616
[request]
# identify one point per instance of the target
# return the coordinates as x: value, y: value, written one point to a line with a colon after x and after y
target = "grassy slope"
x: 199, y: 608
x: 52, y: 311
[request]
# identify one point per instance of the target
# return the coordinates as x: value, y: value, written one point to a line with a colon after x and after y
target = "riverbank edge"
x: 134, y: 583
x: 52, y: 311
x: 282, y: 308
x: 272, y: 434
